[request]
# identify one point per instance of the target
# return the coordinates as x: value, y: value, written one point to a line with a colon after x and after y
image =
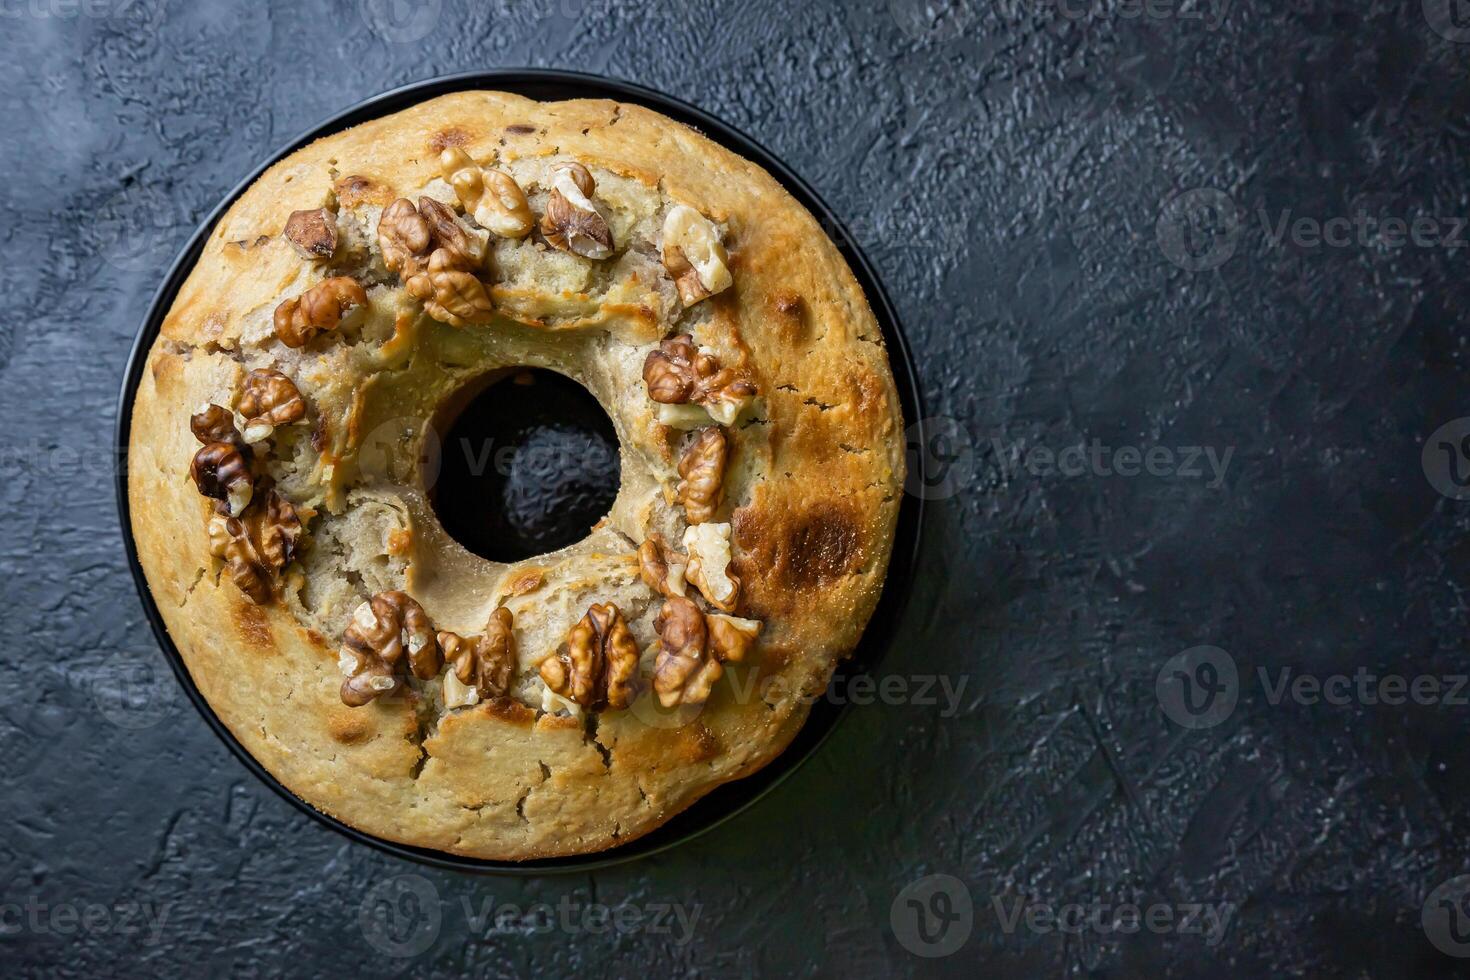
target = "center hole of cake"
x: 529, y: 464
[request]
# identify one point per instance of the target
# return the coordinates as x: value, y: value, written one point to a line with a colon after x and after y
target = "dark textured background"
x: 1005, y: 165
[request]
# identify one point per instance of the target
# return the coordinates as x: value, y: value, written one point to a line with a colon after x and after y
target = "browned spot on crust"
x: 319, y: 434
x: 519, y: 129
x: 804, y: 551
x: 444, y: 139
x: 349, y: 727
x: 506, y: 709
x: 558, y: 721
x: 399, y: 541
x: 254, y: 629
x: 316, y: 639
x: 697, y: 743
x: 355, y: 189
x: 821, y: 545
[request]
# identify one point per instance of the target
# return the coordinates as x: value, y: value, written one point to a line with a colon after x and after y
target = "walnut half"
x: 317, y: 310
x: 661, y: 568
x: 693, y: 649
x: 492, y: 196
x: 694, y: 256
x: 450, y: 294
x: 221, y: 472
x: 684, y: 672
x: 702, y: 475
x: 677, y: 373
x: 269, y: 399
x: 572, y: 222
x: 479, y: 668
x: 313, y: 234
x: 388, y: 632
x: 598, y: 668
x: 257, y: 546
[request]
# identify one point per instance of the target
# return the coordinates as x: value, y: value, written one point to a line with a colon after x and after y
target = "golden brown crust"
x: 811, y: 489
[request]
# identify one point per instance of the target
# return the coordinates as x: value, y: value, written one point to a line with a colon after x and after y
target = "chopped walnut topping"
x: 480, y: 667
x: 702, y: 472
x: 269, y: 399
x: 492, y: 196
x: 600, y: 663
x: 678, y: 373
x: 660, y: 567
x: 317, y: 310
x: 405, y: 238
x: 572, y: 222
x: 684, y: 672
x: 215, y: 423
x: 449, y: 294
x: 221, y: 472
x: 374, y: 645
x: 313, y: 234
x: 257, y: 546
x: 694, y: 256
x: 465, y: 247
x: 730, y: 637
x: 709, y: 564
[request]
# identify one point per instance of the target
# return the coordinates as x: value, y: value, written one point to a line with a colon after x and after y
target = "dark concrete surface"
x: 1010, y: 167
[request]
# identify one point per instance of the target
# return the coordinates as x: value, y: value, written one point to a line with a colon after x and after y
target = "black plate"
x: 725, y: 801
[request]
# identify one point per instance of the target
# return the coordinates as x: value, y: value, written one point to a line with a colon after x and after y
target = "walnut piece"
x: 317, y: 310
x: 730, y: 637
x: 709, y: 564
x: 450, y: 294
x: 221, y: 472
x: 481, y: 667
x: 313, y: 234
x: 492, y: 196
x: 694, y: 256
x: 661, y: 568
x: 387, y: 633
x: 466, y: 249
x: 598, y: 669
x: 678, y: 373
x: 405, y: 238
x: 269, y: 399
x: 684, y: 671
x: 702, y: 474
x: 572, y: 222
x: 215, y: 423
x: 257, y: 546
